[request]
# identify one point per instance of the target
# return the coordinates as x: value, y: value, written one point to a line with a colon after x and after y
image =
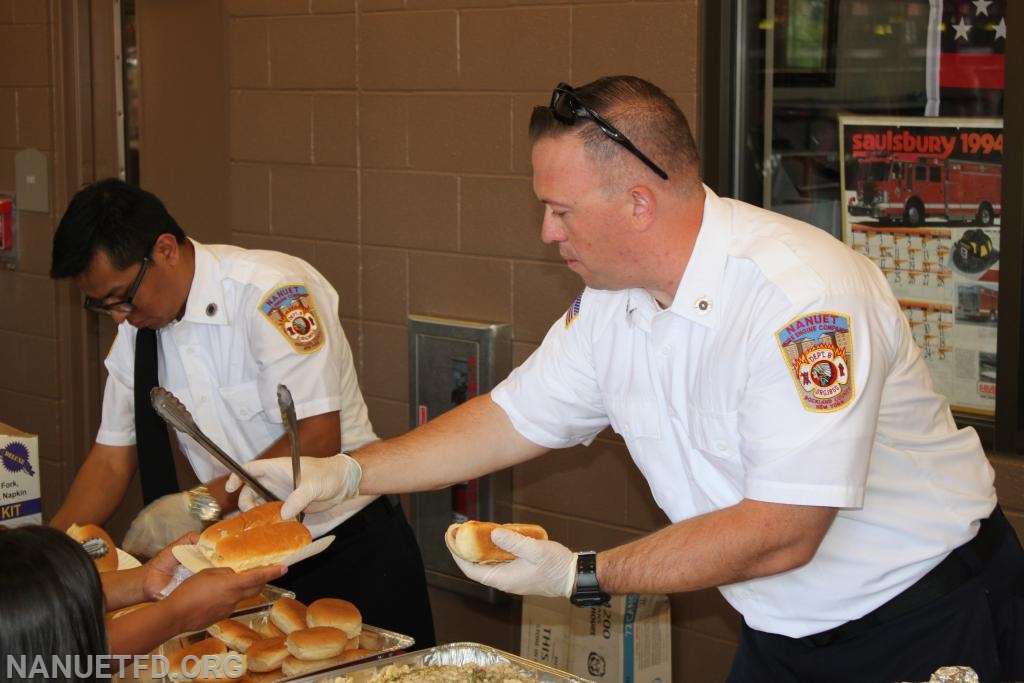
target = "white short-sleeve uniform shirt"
x: 254, y: 319
x: 784, y: 371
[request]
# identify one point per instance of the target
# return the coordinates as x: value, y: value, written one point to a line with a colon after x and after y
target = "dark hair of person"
x: 51, y: 603
x: 640, y: 110
x: 113, y: 216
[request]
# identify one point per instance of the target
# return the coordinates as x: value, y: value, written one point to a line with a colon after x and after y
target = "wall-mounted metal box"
x: 451, y: 361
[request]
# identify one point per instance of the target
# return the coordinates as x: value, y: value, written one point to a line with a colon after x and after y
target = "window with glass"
x: 882, y: 122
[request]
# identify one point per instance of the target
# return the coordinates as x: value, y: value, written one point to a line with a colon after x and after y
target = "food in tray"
x: 447, y: 673
x: 472, y: 540
x: 254, y: 538
x: 327, y: 633
x: 199, y: 652
x: 97, y: 543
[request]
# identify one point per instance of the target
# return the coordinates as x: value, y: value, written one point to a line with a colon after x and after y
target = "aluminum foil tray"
x: 452, y: 653
x: 383, y: 642
x: 261, y: 602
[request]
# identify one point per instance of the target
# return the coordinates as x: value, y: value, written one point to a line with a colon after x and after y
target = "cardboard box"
x: 630, y: 640
x: 20, y: 502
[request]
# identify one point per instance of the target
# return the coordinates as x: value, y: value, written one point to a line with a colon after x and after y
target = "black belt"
x: 960, y: 565
x: 376, y: 512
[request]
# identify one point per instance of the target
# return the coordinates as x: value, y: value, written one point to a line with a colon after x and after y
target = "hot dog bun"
x: 260, y: 546
x: 204, y: 648
x: 234, y: 634
x: 318, y: 642
x: 288, y: 614
x: 472, y: 540
x: 260, y: 515
x: 267, y: 654
x: 97, y: 543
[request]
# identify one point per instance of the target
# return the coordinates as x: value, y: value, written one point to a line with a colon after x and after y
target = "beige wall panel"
x: 303, y: 248
x: 707, y: 612
x: 28, y: 364
x: 314, y: 201
x: 383, y: 131
x: 34, y: 121
x: 8, y: 117
x: 460, y: 132
x: 265, y: 7
x: 459, y: 618
x: 541, y: 293
x: 416, y: 210
x: 339, y: 263
x: 471, y: 288
x: 7, y: 182
x: 30, y: 11
x: 514, y: 48
x: 335, y: 133
x: 331, y: 6
x: 271, y: 127
x: 249, y: 208
x: 502, y: 217
x: 522, y: 109
x: 25, y: 296
x: 427, y: 54
x: 598, y: 469
x: 381, y: 5
x: 696, y: 657
x: 386, y: 361
x: 385, y: 288
x: 35, y: 235
x: 521, y: 351
x: 389, y: 418
x: 651, y: 40
x: 24, y: 54
x: 248, y: 53
x: 313, y: 52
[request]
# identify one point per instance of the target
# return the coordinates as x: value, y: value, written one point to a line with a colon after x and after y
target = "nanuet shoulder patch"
x: 818, y: 347
x: 574, y: 310
x: 290, y: 308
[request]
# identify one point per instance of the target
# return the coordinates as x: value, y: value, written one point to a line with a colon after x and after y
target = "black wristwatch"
x: 586, y: 591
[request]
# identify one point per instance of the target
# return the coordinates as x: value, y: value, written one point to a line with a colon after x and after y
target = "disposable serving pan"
x: 261, y: 602
x: 452, y: 653
x: 381, y: 641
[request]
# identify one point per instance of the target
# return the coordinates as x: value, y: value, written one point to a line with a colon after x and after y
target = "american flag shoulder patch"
x: 574, y: 310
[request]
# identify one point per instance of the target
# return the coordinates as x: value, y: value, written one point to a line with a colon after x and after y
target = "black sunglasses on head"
x: 567, y: 109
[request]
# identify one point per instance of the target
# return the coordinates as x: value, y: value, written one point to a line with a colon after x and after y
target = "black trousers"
x: 375, y: 563
x: 968, y: 611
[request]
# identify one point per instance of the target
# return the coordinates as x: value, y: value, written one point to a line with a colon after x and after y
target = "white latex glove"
x: 159, y: 524
x: 540, y: 568
x: 326, y: 483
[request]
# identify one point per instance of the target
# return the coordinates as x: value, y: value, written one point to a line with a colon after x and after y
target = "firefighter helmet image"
x: 973, y: 252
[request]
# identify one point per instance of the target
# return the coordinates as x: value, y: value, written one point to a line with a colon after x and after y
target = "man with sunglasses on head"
x: 226, y: 326
x: 767, y: 385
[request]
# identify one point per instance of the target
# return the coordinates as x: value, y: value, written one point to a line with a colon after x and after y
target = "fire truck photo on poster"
x: 922, y: 199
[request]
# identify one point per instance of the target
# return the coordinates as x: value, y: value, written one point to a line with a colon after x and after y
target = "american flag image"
x: 574, y: 311
x: 966, y: 66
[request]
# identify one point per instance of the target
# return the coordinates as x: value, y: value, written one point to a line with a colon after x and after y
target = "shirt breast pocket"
x: 634, y: 418
x: 243, y: 400
x: 716, y: 434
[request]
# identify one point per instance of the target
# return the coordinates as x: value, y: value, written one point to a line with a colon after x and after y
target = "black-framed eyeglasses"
x: 124, y: 305
x: 567, y: 108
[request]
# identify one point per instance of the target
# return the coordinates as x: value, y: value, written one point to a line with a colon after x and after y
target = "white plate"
x: 192, y: 558
x: 126, y: 561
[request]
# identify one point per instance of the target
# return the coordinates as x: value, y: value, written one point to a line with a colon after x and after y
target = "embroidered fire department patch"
x: 574, y: 311
x: 819, y: 350
x: 291, y: 309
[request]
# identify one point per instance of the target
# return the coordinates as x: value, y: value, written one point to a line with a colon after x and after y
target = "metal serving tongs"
x: 291, y: 428
x: 176, y: 414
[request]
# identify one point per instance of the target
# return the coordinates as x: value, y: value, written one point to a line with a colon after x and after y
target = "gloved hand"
x: 540, y: 568
x: 159, y: 524
x: 326, y: 483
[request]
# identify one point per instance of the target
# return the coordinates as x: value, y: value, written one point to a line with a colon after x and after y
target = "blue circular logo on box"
x: 15, y: 458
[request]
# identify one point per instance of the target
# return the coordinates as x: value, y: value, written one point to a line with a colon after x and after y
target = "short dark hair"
x: 638, y: 108
x: 113, y: 216
x: 52, y: 600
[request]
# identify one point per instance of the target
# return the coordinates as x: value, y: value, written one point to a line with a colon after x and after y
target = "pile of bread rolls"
x: 291, y: 640
x: 254, y: 538
x: 97, y: 543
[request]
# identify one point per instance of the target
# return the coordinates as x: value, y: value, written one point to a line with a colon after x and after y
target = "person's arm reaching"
x: 98, y: 488
x: 471, y: 440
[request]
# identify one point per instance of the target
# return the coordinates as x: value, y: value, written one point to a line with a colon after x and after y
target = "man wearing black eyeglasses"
x: 767, y: 385
x: 221, y: 327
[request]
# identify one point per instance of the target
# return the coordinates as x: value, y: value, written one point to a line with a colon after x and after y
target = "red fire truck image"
x: 977, y: 303
x: 911, y: 188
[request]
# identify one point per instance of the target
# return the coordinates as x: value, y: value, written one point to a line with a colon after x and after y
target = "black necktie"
x: 156, y: 465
